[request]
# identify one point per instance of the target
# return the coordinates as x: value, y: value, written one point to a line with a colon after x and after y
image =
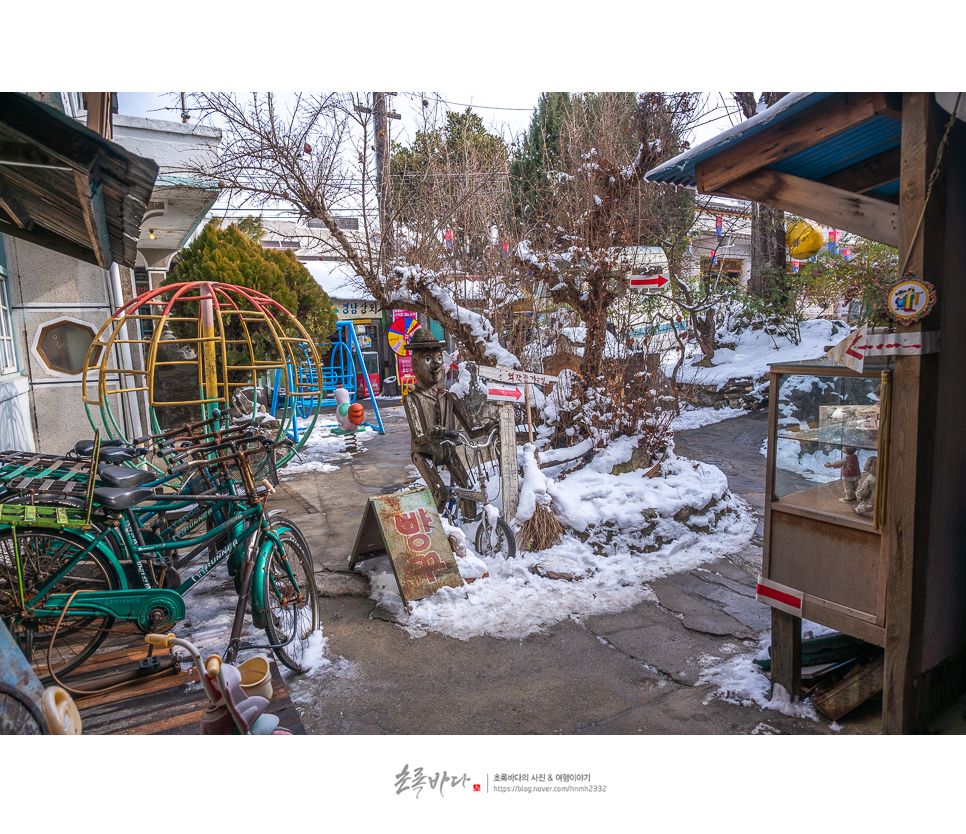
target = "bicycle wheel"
x: 291, y: 597
x: 493, y: 542
x: 45, y: 557
x: 19, y: 716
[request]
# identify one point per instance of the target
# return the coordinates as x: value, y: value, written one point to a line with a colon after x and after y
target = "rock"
x: 639, y: 459
x: 549, y: 574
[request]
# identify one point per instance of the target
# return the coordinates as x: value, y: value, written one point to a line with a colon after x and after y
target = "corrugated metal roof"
x: 68, y: 189
x: 680, y: 170
x: 848, y: 148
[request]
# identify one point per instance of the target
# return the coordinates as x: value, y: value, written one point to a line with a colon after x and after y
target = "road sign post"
x: 508, y: 459
x: 503, y: 387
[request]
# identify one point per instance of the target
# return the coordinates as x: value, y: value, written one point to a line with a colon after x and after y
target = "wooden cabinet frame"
x: 838, y: 562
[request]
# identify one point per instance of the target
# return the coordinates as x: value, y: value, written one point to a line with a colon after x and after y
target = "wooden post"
x: 508, y: 460
x: 526, y: 392
x: 786, y: 651
x: 380, y: 118
x: 914, y: 399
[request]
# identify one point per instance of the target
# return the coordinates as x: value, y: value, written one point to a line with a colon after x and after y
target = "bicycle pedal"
x: 149, y: 665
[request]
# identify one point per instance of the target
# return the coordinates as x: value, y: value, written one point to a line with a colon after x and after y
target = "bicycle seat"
x: 85, y: 447
x: 123, y: 476
x: 119, y: 498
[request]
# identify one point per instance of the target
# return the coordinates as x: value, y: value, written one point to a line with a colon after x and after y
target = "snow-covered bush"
x: 628, y: 401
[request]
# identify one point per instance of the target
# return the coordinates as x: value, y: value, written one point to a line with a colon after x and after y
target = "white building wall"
x: 45, y: 288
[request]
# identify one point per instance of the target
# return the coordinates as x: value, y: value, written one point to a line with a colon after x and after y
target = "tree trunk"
x: 704, y: 328
x: 594, y: 314
x: 767, y: 228
x: 768, y: 254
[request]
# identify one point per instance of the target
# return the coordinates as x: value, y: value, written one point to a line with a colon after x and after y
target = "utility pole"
x: 380, y: 117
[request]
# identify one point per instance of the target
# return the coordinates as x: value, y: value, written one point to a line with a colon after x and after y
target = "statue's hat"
x: 422, y: 339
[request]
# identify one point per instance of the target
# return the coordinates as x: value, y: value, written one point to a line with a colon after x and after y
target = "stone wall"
x: 747, y: 392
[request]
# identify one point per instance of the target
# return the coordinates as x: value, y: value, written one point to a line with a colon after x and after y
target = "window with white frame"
x: 8, y: 355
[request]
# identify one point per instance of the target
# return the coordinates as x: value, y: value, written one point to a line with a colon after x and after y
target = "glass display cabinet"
x: 823, y: 554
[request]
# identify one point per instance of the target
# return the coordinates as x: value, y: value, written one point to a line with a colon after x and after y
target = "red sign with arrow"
x: 647, y: 282
x: 503, y: 392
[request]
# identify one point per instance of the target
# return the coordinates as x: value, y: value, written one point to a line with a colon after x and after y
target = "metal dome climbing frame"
x: 182, y: 352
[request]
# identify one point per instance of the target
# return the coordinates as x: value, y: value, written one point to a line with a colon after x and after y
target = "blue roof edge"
x: 680, y: 169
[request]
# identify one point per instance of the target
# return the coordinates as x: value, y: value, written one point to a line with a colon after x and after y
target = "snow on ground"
x: 622, y: 516
x: 696, y: 418
x: 740, y: 681
x: 751, y: 356
x: 623, y: 535
x: 324, y: 449
x: 755, y: 350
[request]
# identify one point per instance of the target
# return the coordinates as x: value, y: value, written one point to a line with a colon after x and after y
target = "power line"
x: 441, y: 100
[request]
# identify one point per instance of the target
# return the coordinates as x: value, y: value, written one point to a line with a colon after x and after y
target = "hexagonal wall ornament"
x: 63, y: 345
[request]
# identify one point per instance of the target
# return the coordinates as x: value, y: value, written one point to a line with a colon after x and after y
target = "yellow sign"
x: 911, y: 299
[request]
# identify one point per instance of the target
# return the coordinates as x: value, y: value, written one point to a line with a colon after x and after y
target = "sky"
x: 505, y: 111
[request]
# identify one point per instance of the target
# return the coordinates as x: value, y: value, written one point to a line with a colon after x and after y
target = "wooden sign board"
x: 406, y: 527
x: 513, y: 376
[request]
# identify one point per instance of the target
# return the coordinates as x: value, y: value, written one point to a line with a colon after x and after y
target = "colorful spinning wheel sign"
x: 400, y: 332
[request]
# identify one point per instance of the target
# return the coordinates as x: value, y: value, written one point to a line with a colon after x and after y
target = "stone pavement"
x: 626, y: 673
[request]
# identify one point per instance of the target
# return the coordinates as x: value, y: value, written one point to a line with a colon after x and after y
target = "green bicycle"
x: 63, y: 585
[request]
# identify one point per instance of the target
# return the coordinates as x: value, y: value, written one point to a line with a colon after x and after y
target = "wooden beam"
x: 888, y: 104
x: 14, y: 208
x: 868, y: 174
x: 91, y: 197
x: 99, y: 113
x: 786, y: 652
x: 914, y: 406
x: 819, y: 122
x: 865, y: 216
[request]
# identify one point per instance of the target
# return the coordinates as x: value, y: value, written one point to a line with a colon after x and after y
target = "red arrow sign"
x: 504, y: 393
x: 657, y: 281
x: 865, y: 343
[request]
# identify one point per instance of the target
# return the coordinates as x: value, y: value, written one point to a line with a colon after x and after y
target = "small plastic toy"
x: 234, y: 708
x: 350, y: 417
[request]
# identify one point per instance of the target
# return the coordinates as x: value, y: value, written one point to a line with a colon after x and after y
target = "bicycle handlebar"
x: 213, y: 666
x: 163, y: 640
x: 455, y: 438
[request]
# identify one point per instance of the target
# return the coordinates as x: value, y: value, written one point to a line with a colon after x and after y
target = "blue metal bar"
x: 362, y: 367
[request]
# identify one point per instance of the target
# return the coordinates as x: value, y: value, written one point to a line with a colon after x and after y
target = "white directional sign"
x: 514, y: 377
x: 867, y: 342
x: 503, y: 392
x: 647, y: 282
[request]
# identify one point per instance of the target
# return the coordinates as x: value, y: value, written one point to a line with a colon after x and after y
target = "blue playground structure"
x: 305, y: 393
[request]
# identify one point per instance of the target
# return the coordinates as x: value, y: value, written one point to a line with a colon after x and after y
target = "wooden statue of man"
x: 432, y: 411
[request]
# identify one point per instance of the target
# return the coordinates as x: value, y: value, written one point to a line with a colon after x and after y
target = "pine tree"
x: 229, y: 256
x: 538, y: 158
